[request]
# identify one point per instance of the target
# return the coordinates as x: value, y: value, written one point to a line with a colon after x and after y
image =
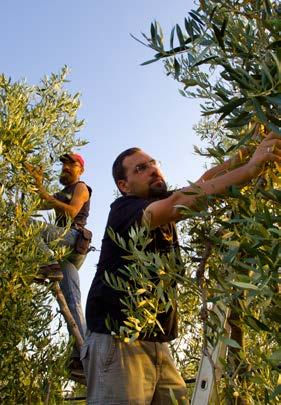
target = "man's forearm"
x: 79, y: 197
x: 44, y: 205
x: 227, y: 165
x: 166, y: 210
x: 49, y: 201
x: 220, y: 185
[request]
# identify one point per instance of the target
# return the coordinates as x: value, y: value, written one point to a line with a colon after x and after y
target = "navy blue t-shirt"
x: 104, y: 301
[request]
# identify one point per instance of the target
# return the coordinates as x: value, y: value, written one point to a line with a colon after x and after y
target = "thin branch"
x: 67, y: 314
x: 47, y: 398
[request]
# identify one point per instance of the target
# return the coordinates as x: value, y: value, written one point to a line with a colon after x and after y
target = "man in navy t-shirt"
x: 143, y: 372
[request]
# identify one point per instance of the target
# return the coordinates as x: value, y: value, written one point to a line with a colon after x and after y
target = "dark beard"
x: 159, y: 191
x: 66, y: 179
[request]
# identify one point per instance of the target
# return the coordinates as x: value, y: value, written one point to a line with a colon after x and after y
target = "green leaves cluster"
x: 148, y: 284
x: 229, y: 55
x: 37, y: 125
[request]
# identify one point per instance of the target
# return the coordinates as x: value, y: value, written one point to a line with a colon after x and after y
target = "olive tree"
x: 228, y: 55
x: 37, y: 124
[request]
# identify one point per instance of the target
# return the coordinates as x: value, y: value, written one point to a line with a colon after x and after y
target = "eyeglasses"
x: 142, y: 167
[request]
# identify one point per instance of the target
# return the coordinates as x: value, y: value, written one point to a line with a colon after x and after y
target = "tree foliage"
x: 37, y: 124
x: 228, y: 54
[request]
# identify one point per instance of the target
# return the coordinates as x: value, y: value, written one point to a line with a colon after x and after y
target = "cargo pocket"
x: 84, y: 352
x: 109, y: 349
x: 84, y: 357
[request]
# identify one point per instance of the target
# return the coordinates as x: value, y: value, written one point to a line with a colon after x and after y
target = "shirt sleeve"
x: 126, y: 213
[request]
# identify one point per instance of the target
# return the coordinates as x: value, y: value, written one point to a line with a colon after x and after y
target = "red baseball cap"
x: 72, y: 157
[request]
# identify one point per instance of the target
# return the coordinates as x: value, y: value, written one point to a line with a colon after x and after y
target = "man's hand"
x: 269, y: 150
x: 36, y: 173
x: 227, y: 165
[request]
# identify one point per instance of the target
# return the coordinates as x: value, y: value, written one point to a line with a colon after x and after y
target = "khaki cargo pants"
x: 138, y: 373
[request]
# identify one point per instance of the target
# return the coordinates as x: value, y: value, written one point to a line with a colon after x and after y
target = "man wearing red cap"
x: 71, y: 204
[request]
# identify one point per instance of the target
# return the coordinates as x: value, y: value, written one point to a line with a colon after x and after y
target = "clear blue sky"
x: 123, y: 104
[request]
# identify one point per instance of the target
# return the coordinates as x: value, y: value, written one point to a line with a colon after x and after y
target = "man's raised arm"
x: 80, y: 195
x: 165, y: 211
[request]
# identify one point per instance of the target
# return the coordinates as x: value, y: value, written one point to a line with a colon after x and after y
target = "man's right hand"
x: 269, y: 150
x: 36, y: 173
